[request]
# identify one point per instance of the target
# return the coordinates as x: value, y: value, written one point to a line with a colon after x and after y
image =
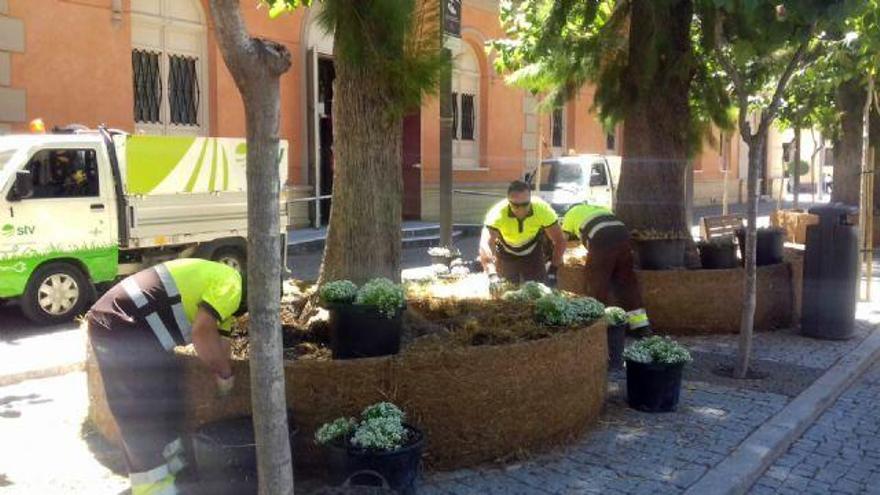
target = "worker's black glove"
x: 552, y: 278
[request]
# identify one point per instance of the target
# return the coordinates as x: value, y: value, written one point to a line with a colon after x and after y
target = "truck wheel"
x: 55, y: 293
x: 233, y: 257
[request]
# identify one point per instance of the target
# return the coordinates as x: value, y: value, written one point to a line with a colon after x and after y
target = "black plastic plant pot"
x: 660, y: 254
x: 358, y: 331
x: 226, y: 456
x: 653, y: 387
x: 718, y: 256
x: 396, y: 470
x: 616, y: 343
x: 770, y: 246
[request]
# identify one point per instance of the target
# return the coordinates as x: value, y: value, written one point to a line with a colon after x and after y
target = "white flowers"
x: 557, y: 310
x: 657, y: 350
x: 381, y: 428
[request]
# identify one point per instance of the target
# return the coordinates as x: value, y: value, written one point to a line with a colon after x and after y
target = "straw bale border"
x: 475, y: 404
x: 705, y: 302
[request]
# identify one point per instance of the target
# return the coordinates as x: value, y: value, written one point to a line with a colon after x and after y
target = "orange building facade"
x: 153, y: 66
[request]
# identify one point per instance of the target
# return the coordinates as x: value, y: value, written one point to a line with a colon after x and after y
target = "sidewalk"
x: 638, y: 453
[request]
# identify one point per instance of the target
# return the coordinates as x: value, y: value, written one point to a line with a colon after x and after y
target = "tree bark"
x: 796, y: 170
x: 655, y: 144
x: 257, y: 66
x: 363, y: 238
x: 848, y: 150
x: 747, y: 322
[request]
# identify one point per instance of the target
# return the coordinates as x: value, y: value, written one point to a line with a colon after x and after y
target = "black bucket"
x: 718, y: 256
x: 653, y: 387
x: 660, y: 254
x: 358, y: 331
x: 226, y: 455
x: 770, y: 246
x: 616, y: 343
x: 397, y: 470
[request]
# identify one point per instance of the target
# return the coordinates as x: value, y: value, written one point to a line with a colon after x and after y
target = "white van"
x: 87, y: 207
x: 568, y: 180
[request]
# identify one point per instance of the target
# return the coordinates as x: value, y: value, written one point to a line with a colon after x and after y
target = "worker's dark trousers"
x: 142, y: 385
x: 611, y: 268
x: 519, y: 269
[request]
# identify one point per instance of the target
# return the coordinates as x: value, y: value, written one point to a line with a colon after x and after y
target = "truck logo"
x: 10, y: 230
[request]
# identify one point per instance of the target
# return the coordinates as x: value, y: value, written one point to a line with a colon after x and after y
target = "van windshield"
x: 5, y: 157
x: 555, y: 174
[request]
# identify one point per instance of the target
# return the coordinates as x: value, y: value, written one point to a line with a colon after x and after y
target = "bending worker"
x: 609, y: 260
x: 511, y: 242
x: 133, y: 330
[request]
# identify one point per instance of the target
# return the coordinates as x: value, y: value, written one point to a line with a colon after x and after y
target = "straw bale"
x: 704, y: 302
x: 475, y: 404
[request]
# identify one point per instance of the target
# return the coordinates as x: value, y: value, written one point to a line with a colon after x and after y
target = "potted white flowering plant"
x: 443, y: 255
x: 616, y: 318
x: 365, y: 321
x: 557, y: 310
x: 653, y: 373
x: 379, y: 444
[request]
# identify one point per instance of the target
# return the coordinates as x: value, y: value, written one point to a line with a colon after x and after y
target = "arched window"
x: 168, y: 66
x: 466, y: 109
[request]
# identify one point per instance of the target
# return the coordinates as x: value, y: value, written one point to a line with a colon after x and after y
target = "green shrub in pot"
x: 558, y: 310
x: 527, y: 292
x: 616, y: 316
x: 338, y: 292
x: 387, y: 297
x: 657, y: 350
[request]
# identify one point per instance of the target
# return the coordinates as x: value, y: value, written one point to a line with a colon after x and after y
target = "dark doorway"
x: 326, y: 76
x: 412, y: 174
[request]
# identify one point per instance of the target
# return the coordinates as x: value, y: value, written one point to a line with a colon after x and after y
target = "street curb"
x: 15, y: 378
x: 744, y: 466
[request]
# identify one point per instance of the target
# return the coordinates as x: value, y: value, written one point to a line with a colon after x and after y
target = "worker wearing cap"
x: 133, y: 330
x: 609, y: 260
x: 511, y: 244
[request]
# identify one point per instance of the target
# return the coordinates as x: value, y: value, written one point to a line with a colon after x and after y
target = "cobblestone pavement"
x: 631, y: 452
x: 839, y: 453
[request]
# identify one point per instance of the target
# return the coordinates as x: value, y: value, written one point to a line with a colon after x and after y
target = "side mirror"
x: 24, y: 185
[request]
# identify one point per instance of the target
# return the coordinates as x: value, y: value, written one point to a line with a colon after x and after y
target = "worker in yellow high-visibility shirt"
x: 609, y: 260
x: 133, y: 330
x: 511, y: 244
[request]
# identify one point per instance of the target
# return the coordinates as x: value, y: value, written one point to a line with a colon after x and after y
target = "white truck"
x: 81, y: 209
x: 567, y: 180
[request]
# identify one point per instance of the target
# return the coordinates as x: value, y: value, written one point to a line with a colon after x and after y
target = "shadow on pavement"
x: 8, y: 404
x: 109, y: 455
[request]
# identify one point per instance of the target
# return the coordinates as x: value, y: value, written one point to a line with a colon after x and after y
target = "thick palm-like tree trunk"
x: 655, y: 141
x: 364, y: 236
x: 848, y: 149
x: 256, y: 66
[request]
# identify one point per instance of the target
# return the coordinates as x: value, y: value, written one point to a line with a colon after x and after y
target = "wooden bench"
x: 719, y: 226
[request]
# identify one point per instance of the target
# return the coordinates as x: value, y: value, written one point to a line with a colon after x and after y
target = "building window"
x: 183, y: 90
x: 147, y: 86
x: 168, y: 55
x: 557, y: 128
x: 465, y: 109
x: 611, y: 141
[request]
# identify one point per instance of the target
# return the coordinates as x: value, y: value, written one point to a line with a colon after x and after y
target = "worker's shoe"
x: 639, y: 325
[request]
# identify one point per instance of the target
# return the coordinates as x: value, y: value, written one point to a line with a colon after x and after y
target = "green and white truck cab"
x: 83, y: 209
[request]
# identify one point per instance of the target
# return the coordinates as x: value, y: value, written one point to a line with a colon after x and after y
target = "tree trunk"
x: 848, y: 151
x: 756, y: 146
x: 817, y: 147
x: 796, y: 170
x: 875, y: 144
x: 655, y: 144
x: 363, y: 238
x: 256, y: 67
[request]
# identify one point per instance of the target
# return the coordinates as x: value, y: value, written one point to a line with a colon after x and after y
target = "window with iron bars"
x: 464, y: 116
x: 147, y: 86
x: 183, y: 93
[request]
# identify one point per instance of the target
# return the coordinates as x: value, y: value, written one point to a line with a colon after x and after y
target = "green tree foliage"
x: 556, y: 47
x: 399, y: 40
